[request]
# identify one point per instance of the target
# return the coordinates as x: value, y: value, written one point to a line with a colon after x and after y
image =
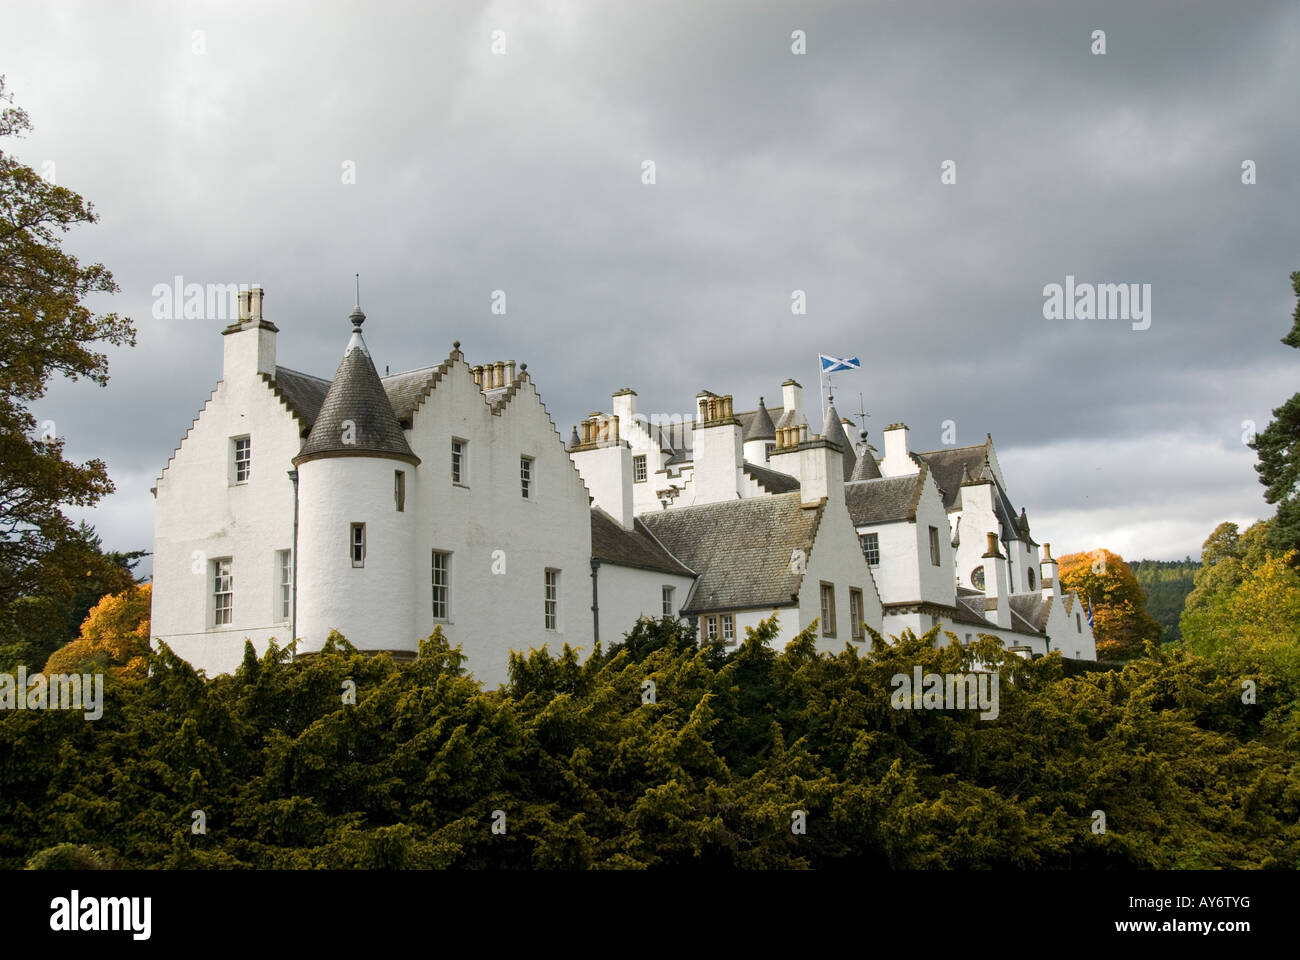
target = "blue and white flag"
x: 1090, y: 613
x: 831, y: 364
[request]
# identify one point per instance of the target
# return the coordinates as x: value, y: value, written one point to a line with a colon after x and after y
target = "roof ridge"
x: 301, y: 373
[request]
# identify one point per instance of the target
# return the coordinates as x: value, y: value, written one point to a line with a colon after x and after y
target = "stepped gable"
x: 773, y: 481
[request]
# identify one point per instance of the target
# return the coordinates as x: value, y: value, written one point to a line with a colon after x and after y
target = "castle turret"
x: 356, y: 485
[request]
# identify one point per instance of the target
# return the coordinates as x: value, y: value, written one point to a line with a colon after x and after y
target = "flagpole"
x: 821, y: 390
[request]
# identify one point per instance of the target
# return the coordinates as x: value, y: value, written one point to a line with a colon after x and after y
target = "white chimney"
x: 821, y: 472
x: 718, y: 450
x: 249, y: 343
x: 897, y: 461
x: 605, y: 464
x: 792, y: 401
x: 1048, y: 572
x: 625, y: 409
x: 997, y: 606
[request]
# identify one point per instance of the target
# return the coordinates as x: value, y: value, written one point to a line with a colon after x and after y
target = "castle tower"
x: 356, y: 498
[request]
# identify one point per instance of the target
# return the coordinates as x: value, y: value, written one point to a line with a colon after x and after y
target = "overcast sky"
x: 214, y: 141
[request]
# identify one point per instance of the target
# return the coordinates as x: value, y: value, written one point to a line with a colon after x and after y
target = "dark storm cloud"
x: 775, y: 172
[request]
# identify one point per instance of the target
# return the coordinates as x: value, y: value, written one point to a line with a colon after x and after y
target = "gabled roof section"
x: 406, y: 390
x: 355, y: 419
x: 951, y: 468
x: 884, y: 500
x: 302, y: 393
x: 948, y: 467
x: 631, y: 548
x: 741, y: 549
x: 773, y: 481
x: 1032, y: 608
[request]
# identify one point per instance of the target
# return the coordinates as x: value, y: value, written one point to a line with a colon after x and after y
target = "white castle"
x: 383, y: 507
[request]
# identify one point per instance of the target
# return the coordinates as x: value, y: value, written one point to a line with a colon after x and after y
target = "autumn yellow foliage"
x: 115, y: 636
x: 1120, y: 621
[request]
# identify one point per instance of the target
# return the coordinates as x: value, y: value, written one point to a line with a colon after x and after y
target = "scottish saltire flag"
x: 831, y: 364
x: 1089, y: 613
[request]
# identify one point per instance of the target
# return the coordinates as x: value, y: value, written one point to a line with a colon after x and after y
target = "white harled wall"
x: 200, y: 515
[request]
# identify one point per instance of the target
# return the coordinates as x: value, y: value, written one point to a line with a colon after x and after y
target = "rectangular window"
x: 710, y: 628
x: 855, y: 613
x: 526, y: 476
x: 459, y: 461
x: 243, y: 459
x: 399, y: 490
x: 358, y: 544
x: 934, y: 546
x: 552, y: 599
x: 728, y: 629
x: 638, y: 468
x: 223, y: 592
x: 768, y: 450
x: 871, y: 547
x: 284, y: 579
x: 441, y: 586
x: 1078, y: 623
x: 669, y: 608
x: 828, y: 610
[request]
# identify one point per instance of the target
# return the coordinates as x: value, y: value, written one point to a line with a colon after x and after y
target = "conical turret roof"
x: 356, y: 419
x: 760, y: 424
x: 833, y: 430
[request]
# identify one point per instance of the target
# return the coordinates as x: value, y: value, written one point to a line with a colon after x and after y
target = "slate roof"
x: 833, y: 430
x: 356, y: 395
x: 746, y: 418
x: 947, y: 466
x: 758, y: 426
x: 302, y: 392
x: 1032, y: 608
x: 742, y: 549
x: 406, y: 390
x: 866, y: 467
x: 883, y: 500
x: 631, y: 548
x: 773, y: 481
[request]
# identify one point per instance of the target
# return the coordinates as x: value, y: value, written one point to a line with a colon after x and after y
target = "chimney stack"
x: 605, y: 465
x: 718, y: 448
x: 248, y: 349
x: 997, y: 606
x: 1050, y: 579
x: 821, y: 471
x: 897, y: 461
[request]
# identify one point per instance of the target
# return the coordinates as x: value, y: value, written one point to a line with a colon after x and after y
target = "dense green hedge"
x: 708, y: 775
